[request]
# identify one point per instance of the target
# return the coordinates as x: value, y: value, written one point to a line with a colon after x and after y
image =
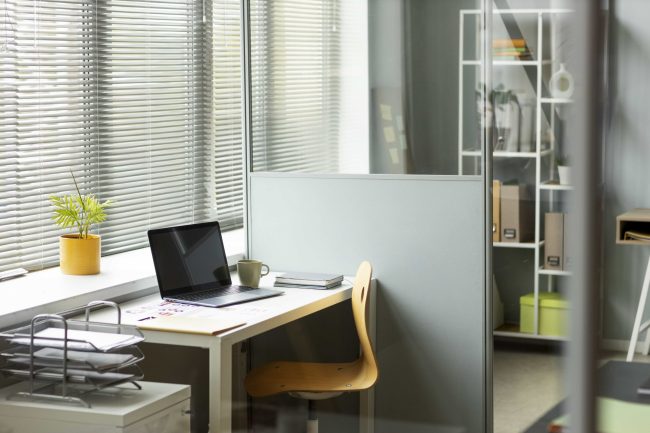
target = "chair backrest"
x: 360, y: 296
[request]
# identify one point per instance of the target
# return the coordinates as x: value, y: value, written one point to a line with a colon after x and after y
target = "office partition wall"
x: 424, y: 236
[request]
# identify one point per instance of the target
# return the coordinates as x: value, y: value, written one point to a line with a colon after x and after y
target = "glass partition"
x: 366, y: 87
x: 545, y: 106
x: 531, y: 256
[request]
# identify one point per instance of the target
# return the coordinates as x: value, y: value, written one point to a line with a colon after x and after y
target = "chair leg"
x: 312, y: 418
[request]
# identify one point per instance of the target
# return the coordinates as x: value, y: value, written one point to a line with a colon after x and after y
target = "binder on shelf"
x: 554, y: 241
x: 496, y: 211
x: 517, y: 214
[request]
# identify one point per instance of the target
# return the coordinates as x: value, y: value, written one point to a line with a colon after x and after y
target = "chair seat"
x: 283, y: 376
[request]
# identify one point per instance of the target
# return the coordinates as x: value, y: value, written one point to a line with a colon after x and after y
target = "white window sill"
x: 122, y: 276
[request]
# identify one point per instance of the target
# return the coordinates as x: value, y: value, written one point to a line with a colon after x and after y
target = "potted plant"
x: 563, y: 170
x: 80, y: 251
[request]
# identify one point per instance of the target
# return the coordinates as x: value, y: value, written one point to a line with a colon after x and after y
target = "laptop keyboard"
x: 224, y: 291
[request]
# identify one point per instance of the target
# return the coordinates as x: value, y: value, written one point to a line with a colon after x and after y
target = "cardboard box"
x: 517, y: 214
x: 496, y: 211
x: 633, y: 228
x: 554, y: 241
x: 552, y: 314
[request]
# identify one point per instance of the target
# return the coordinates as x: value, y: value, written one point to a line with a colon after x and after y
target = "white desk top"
x: 260, y: 315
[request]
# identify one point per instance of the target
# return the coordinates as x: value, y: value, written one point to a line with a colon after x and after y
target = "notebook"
x: 191, y: 325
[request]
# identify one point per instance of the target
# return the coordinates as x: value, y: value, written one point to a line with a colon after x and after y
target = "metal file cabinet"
x: 157, y: 408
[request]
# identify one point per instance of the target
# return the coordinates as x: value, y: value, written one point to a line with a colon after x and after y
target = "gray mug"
x: 250, y: 271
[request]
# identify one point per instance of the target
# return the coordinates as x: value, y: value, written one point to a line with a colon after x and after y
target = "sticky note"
x: 389, y: 134
x: 399, y: 120
x: 402, y: 141
x: 386, y: 112
x: 394, y: 156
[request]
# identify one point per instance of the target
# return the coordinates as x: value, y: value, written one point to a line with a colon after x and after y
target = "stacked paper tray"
x: 80, y: 355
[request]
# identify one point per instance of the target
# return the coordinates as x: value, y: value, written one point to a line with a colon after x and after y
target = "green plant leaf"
x: 78, y: 211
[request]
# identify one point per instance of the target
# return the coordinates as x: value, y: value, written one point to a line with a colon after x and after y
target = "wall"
x: 423, y: 235
x: 627, y: 158
x: 432, y: 36
x: 413, y: 55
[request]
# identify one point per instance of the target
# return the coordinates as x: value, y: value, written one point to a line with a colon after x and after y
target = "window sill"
x: 123, y: 276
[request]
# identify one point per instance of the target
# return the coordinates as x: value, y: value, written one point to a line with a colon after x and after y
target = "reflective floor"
x: 527, y: 383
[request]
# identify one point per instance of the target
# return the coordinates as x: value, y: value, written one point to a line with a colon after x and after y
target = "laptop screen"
x: 189, y: 258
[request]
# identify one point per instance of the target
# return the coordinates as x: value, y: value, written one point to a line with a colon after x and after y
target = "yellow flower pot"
x: 79, y: 256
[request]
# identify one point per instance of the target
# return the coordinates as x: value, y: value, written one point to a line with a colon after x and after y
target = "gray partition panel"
x: 423, y: 235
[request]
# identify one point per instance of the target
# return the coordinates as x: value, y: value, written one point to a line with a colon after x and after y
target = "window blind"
x: 225, y: 116
x: 295, y: 68
x: 128, y: 94
x: 47, y: 89
x: 152, y: 160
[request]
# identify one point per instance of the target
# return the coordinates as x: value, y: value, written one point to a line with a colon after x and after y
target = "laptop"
x: 191, y: 267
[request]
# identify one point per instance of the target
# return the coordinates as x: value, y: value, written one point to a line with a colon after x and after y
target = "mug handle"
x: 267, y: 270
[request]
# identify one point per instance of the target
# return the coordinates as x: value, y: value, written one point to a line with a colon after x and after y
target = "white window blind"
x: 47, y: 91
x: 295, y: 68
x: 225, y: 99
x: 122, y: 92
x: 152, y: 159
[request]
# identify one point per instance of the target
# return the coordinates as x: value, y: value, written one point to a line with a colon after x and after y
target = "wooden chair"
x: 319, y: 381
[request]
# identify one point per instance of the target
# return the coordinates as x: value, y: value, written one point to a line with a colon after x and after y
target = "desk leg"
x: 220, y: 387
x: 639, y: 314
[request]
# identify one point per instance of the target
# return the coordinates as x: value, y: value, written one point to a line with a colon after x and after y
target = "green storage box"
x: 552, y: 314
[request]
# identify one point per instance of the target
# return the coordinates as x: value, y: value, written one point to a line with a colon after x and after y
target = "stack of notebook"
x: 308, y: 280
x: 511, y: 49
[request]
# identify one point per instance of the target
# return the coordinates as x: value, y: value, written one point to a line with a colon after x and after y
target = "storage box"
x: 517, y: 214
x: 496, y: 211
x: 554, y: 241
x: 552, y: 314
x: 158, y: 407
x: 636, y: 224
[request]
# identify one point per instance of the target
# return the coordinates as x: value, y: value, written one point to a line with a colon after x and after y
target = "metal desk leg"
x: 638, y: 326
x: 220, y: 382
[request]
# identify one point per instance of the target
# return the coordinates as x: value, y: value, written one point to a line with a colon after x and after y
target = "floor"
x: 528, y: 382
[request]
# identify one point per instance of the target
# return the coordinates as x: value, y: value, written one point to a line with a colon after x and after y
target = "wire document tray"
x: 63, y: 359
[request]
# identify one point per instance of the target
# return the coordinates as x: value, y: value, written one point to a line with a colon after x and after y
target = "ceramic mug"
x: 250, y: 271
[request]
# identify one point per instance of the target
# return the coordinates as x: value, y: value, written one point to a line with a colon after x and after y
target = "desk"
x: 617, y: 379
x: 260, y: 316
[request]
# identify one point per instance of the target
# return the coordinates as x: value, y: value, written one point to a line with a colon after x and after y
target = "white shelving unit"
x: 543, y: 181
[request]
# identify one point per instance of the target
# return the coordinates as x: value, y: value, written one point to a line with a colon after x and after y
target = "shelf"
x: 555, y: 100
x: 507, y: 62
x: 510, y: 330
x: 517, y: 11
x: 506, y: 154
x: 549, y: 186
x: 514, y: 62
x: 523, y: 245
x: 543, y: 271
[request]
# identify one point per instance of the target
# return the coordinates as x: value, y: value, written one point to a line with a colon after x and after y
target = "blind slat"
x: 139, y: 97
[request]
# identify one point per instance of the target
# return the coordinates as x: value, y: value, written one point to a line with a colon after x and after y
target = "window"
x: 140, y: 98
x: 309, y: 86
